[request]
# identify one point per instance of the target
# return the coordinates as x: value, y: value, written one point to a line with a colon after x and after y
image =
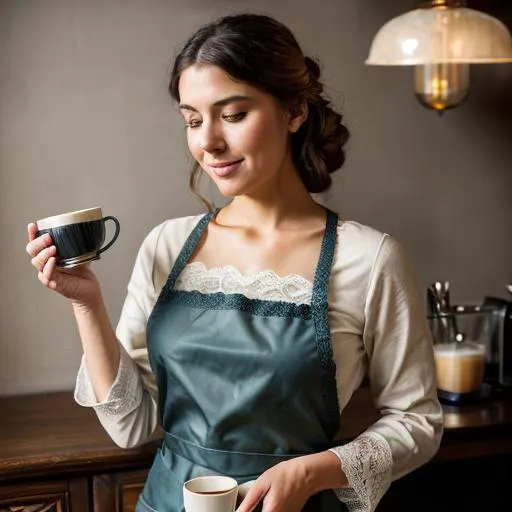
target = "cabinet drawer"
x: 118, y: 492
x: 54, y: 496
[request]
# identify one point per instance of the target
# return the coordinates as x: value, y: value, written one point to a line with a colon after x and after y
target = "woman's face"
x: 237, y: 133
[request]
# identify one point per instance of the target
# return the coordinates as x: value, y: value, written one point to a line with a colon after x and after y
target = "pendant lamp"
x: 441, y: 39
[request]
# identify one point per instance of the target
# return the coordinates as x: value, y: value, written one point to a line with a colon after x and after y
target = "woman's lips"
x: 224, y: 169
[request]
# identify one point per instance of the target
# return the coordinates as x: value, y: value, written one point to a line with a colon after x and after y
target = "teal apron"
x: 243, y: 384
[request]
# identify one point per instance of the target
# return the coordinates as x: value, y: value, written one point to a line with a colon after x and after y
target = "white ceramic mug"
x: 210, y: 494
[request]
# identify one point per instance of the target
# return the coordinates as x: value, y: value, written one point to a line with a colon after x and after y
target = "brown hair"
x: 264, y: 53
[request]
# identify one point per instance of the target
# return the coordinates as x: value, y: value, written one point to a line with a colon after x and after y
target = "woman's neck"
x: 276, y: 210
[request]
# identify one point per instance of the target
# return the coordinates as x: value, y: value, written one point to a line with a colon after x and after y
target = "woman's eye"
x: 193, y: 123
x: 233, y: 118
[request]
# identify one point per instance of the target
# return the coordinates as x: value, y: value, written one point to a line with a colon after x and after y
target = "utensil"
x: 438, y: 297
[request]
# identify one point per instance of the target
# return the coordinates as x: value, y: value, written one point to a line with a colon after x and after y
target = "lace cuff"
x: 367, y: 462
x: 124, y: 396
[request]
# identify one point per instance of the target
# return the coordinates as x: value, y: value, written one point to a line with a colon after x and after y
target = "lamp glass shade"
x: 456, y: 35
x: 441, y: 86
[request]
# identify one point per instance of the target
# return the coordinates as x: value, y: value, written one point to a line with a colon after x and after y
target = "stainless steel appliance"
x: 499, y: 364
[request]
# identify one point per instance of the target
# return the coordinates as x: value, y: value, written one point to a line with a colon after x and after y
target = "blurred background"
x: 86, y: 120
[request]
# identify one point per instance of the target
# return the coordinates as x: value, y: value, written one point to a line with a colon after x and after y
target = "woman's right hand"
x: 79, y: 284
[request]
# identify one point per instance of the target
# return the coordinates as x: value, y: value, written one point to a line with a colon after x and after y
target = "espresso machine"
x: 472, y: 346
x: 499, y: 363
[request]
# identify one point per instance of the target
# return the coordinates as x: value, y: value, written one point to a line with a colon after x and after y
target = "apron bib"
x: 243, y: 384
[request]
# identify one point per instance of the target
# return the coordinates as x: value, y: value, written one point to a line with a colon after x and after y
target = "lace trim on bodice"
x: 264, y: 285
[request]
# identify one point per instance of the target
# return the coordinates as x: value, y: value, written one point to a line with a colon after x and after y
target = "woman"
x: 245, y: 331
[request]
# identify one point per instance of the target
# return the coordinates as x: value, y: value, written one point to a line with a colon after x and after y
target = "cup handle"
x: 116, y: 234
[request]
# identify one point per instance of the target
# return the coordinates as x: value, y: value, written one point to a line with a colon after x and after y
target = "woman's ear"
x: 298, y: 114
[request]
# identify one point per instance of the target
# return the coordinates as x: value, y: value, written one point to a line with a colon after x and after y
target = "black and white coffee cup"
x: 78, y: 236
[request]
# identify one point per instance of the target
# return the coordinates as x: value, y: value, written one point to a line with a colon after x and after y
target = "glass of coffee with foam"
x: 460, y: 366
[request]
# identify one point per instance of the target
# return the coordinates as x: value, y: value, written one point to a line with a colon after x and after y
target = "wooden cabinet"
x: 52, y: 496
x: 56, y: 457
x: 111, y: 492
x: 117, y: 492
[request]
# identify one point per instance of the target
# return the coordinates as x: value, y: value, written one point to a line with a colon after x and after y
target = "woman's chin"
x: 231, y: 190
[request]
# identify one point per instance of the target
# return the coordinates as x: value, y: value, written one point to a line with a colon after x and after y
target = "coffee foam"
x: 459, y: 367
x: 87, y: 215
x: 455, y: 350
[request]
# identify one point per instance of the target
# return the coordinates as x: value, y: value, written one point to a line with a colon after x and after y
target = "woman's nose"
x: 211, y: 139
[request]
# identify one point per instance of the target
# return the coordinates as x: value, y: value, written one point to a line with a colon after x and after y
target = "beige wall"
x: 85, y: 120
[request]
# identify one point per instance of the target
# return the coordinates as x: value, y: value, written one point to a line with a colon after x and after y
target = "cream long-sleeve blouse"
x: 378, y: 328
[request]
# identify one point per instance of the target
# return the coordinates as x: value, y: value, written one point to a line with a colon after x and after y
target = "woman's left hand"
x: 286, y: 487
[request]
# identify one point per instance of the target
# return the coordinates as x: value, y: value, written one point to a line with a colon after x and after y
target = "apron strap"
x: 319, y: 309
x: 187, y: 250
x: 243, y: 465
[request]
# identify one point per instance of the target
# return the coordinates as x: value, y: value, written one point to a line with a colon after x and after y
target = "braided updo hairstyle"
x: 264, y: 53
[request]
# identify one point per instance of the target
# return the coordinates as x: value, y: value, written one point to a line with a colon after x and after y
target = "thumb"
x: 32, y: 231
x: 253, y: 498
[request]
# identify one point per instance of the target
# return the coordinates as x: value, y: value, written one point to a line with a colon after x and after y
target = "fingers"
x: 43, y: 254
x: 32, y: 231
x: 41, y: 249
x: 36, y: 245
x: 40, y: 260
x: 45, y: 275
x: 253, y: 499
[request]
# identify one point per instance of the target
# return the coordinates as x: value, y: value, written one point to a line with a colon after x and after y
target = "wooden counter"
x: 50, y: 438
x: 470, y: 431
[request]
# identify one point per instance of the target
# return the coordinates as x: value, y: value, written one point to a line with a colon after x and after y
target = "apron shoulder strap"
x: 188, y: 249
x: 319, y: 310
